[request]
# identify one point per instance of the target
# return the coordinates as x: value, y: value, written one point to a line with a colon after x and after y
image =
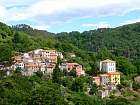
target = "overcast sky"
x: 69, y: 15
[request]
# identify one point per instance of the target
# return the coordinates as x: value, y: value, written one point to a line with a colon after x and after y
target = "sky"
x: 70, y: 15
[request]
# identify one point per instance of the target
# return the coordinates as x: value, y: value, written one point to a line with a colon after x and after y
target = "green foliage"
x: 136, y: 85
x: 83, y: 99
x: 5, y: 52
x: 77, y: 85
x: 57, y: 74
x: 118, y: 101
x: 2, y: 74
x: 121, y: 41
x: 72, y: 73
x: 137, y: 64
x: 120, y: 86
x: 94, y: 89
x: 22, y: 90
x: 18, y: 71
x: 46, y: 94
x: 67, y: 81
x: 125, y: 66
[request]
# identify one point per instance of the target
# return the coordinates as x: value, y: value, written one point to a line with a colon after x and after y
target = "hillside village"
x: 37, y: 60
x: 97, y: 67
x: 46, y: 61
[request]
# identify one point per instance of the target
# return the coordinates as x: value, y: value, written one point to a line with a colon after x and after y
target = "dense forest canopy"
x: 120, y: 41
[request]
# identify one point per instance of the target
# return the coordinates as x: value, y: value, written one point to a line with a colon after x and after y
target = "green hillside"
x: 120, y: 44
x: 12, y: 41
x: 120, y: 41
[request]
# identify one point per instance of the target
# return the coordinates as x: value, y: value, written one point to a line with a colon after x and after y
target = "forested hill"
x: 14, y: 40
x: 89, y: 46
x: 63, y: 89
x: 31, y: 31
x: 121, y: 41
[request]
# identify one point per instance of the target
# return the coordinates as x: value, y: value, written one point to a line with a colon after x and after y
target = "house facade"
x: 114, y: 78
x: 19, y: 65
x: 103, y: 92
x: 108, y: 66
x: 73, y: 66
x: 104, y: 79
x: 96, y: 80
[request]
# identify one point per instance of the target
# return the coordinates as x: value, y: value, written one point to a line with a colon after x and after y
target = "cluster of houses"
x: 44, y: 61
x: 110, y: 78
x: 37, y: 60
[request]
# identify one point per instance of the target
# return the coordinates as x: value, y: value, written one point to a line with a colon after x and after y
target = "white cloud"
x: 45, y: 7
x: 64, y: 10
x: 16, y: 2
x: 89, y: 7
x: 2, y: 14
x: 131, y: 21
x: 98, y: 25
x: 3, y: 11
x: 41, y: 27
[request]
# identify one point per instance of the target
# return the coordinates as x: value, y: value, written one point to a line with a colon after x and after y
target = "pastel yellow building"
x: 114, y: 78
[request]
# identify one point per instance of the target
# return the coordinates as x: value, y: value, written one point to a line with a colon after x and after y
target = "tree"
x: 84, y: 99
x: 136, y: 85
x: 118, y: 101
x: 72, y: 73
x: 67, y: 81
x: 57, y: 74
x: 137, y: 64
x: 65, y: 72
x: 5, y: 53
x: 2, y: 74
x: 94, y: 71
x: 46, y: 94
x: 77, y: 85
x: 125, y: 66
x: 94, y: 89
